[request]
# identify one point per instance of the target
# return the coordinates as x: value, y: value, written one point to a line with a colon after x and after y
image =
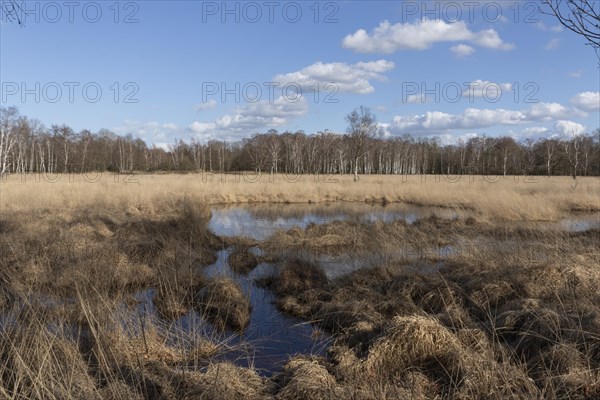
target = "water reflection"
x: 258, y: 222
x: 273, y: 336
x: 261, y: 221
x: 580, y: 223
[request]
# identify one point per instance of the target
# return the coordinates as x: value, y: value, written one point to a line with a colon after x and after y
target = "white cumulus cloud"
x: 436, y: 122
x: 420, y: 35
x: 569, y: 128
x: 205, y: 106
x: 150, y: 132
x: 462, y: 50
x: 250, y: 119
x: 587, y: 101
x: 354, y: 78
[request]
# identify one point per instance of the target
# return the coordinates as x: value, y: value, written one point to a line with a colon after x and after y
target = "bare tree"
x: 550, y: 146
x: 12, y: 10
x: 8, y: 136
x: 257, y: 151
x: 85, y: 137
x: 505, y: 147
x: 273, y: 145
x: 571, y: 148
x: 362, y: 127
x: 579, y: 16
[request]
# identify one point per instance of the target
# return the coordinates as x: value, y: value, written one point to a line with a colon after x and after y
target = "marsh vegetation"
x: 388, y: 288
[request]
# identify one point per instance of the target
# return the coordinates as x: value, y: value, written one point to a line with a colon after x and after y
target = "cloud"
x: 569, y: 128
x: 487, y: 89
x: 205, y: 106
x: 249, y: 119
x: 552, y: 44
x: 417, y: 98
x: 549, y: 111
x: 436, y: 122
x: 554, y: 28
x: 419, y: 35
x: 150, y: 132
x: 576, y: 74
x: 448, y: 139
x: 535, y: 131
x: 471, y: 118
x: 354, y: 78
x: 587, y: 101
x: 462, y: 50
x: 170, y: 126
x: 491, y: 91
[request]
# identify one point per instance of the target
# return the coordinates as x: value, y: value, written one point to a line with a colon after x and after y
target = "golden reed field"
x: 511, y: 197
x: 517, y: 316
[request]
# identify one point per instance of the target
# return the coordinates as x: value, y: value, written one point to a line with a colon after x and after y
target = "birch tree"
x: 362, y: 127
x: 8, y: 135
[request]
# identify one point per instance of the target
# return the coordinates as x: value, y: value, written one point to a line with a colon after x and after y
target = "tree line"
x: 27, y: 146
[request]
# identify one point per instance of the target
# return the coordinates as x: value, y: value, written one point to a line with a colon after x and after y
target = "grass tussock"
x: 306, y: 379
x: 242, y: 260
x: 224, y: 303
x: 89, y: 295
x: 492, y: 323
x: 73, y: 324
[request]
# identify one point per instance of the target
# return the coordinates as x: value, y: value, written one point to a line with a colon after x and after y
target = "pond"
x: 258, y: 222
x: 580, y: 223
x: 272, y: 337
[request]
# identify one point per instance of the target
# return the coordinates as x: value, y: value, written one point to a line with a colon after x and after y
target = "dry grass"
x: 306, y: 379
x: 224, y: 303
x: 493, y: 322
x: 497, y: 321
x: 508, y: 198
x: 242, y: 260
x: 71, y: 324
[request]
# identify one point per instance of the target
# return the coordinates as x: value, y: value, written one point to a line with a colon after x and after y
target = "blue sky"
x: 163, y: 70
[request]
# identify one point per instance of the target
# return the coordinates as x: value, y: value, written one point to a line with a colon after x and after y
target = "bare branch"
x: 12, y: 10
x: 579, y: 16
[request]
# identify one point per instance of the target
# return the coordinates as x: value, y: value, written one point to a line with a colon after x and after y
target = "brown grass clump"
x: 38, y: 364
x: 227, y: 382
x: 474, y: 328
x: 175, y: 294
x: 242, y: 260
x: 445, y: 365
x: 413, y: 342
x: 494, y: 321
x: 306, y: 379
x: 298, y: 276
x: 566, y: 373
x: 171, y: 239
x: 118, y: 390
x: 300, y: 287
x: 128, y: 348
x: 72, y: 327
x: 529, y: 327
x: 354, y: 319
x: 224, y: 303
